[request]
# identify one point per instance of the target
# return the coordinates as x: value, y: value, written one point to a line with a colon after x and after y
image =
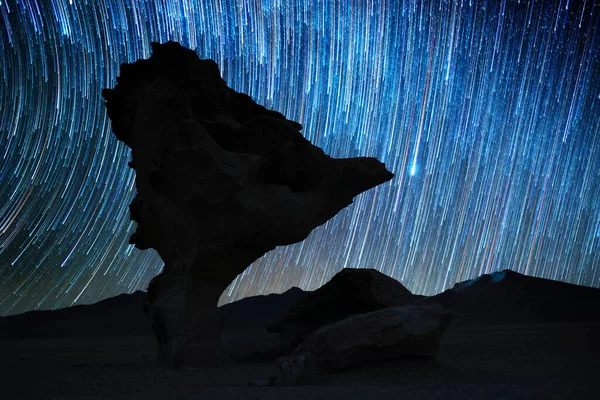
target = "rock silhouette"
x: 220, y: 181
x: 351, y: 291
x: 276, y: 324
x: 392, y: 332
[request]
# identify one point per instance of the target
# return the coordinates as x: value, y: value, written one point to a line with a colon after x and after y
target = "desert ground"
x: 475, y: 361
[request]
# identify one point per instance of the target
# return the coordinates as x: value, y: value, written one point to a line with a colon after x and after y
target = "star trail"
x: 488, y: 112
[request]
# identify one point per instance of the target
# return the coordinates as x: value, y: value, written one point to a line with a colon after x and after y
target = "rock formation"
x: 392, y: 332
x: 280, y: 322
x: 220, y: 181
x: 351, y: 291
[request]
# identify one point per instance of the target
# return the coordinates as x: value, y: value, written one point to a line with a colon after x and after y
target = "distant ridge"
x: 508, y: 297
x: 121, y: 315
x: 503, y: 297
x: 255, y: 311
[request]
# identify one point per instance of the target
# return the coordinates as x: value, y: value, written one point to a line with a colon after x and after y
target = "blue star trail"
x: 488, y: 112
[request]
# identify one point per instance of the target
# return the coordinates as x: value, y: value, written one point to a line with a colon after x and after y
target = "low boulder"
x: 351, y: 291
x: 393, y: 332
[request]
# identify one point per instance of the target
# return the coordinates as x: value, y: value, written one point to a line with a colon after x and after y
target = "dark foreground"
x: 518, y: 361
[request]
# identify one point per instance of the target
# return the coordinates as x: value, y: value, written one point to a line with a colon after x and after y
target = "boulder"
x: 220, y: 181
x: 392, y: 332
x: 351, y: 291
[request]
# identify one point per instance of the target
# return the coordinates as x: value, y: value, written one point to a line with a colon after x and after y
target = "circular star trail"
x: 488, y: 112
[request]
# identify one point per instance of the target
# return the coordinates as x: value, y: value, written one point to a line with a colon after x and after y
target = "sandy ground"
x: 559, y: 361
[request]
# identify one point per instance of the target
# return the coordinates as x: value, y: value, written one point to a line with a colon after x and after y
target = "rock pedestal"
x: 220, y: 181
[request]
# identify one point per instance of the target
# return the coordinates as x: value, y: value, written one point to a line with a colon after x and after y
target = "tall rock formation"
x: 220, y: 181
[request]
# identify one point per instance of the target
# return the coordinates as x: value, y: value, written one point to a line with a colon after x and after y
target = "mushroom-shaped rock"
x: 220, y: 181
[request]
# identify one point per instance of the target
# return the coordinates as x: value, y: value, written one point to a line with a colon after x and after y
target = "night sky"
x: 488, y: 112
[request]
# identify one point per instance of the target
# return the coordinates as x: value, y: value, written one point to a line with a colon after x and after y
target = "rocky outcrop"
x: 388, y: 333
x: 274, y: 325
x: 220, y: 181
x: 351, y: 291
